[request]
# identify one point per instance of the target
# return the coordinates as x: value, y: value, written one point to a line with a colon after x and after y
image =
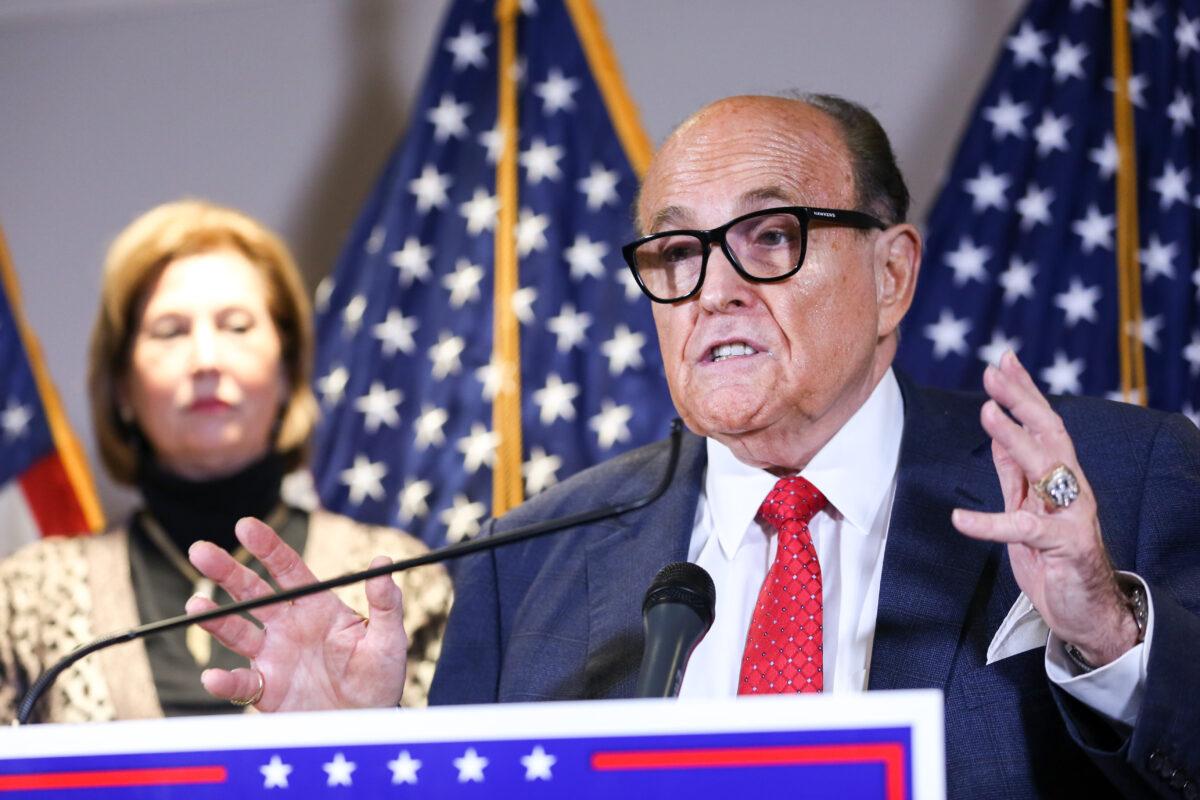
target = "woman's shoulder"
x: 329, y: 529
x: 55, y: 555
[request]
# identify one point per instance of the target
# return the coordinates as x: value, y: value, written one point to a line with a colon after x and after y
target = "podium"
x: 874, y: 745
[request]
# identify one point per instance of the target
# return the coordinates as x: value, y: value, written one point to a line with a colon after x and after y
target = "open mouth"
x: 731, y: 350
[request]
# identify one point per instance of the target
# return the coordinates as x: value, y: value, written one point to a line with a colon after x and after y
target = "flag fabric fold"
x: 1022, y: 242
x: 407, y: 365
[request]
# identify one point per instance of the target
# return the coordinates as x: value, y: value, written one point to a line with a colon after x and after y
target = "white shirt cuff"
x: 1115, y: 689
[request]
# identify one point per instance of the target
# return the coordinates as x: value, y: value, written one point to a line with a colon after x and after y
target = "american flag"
x: 45, y: 486
x: 1021, y: 246
x: 406, y: 371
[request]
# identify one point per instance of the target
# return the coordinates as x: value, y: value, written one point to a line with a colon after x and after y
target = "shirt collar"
x: 854, y: 470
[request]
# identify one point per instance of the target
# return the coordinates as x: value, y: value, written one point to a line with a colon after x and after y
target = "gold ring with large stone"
x: 258, y: 693
x: 1058, y: 488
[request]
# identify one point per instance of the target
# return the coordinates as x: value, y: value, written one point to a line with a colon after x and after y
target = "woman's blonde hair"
x: 136, y: 258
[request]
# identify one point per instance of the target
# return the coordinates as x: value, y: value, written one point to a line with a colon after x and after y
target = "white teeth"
x: 725, y: 351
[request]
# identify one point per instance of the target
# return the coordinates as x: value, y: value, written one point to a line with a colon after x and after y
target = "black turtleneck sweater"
x: 191, y: 510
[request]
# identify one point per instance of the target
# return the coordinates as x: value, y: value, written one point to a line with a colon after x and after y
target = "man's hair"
x: 880, y: 186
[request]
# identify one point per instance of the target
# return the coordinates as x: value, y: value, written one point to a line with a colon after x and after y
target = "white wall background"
x: 288, y: 108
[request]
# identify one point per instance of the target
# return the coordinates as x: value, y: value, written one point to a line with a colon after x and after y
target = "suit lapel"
x: 622, y: 563
x: 931, y: 573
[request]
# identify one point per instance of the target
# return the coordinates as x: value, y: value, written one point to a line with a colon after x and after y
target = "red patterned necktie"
x: 784, y: 644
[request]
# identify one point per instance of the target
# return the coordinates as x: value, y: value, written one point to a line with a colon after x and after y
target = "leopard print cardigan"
x: 60, y: 593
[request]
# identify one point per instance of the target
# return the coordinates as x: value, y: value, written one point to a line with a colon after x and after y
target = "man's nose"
x: 723, y: 287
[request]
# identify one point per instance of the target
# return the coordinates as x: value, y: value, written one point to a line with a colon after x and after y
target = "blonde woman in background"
x: 199, y: 387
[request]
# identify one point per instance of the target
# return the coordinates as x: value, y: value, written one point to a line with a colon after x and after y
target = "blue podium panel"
x: 876, y: 745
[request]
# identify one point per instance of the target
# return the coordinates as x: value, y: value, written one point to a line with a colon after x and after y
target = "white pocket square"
x: 1023, y: 629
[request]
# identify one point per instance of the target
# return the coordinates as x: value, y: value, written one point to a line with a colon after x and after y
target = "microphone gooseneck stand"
x: 433, y: 557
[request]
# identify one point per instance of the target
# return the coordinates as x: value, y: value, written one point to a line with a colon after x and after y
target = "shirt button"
x: 1155, y: 761
x: 1177, y: 779
x: 1189, y: 791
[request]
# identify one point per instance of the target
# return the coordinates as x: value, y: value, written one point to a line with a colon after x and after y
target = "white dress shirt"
x: 856, y: 471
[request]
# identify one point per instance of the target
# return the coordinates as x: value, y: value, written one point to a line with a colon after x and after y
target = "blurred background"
x: 288, y: 109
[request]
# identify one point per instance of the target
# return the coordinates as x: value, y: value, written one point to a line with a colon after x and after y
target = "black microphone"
x: 677, y: 612
x: 446, y: 553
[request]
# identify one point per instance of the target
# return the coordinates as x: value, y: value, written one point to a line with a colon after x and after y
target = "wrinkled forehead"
x: 742, y: 154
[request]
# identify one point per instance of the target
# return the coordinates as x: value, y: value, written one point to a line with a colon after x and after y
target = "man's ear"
x: 897, y: 262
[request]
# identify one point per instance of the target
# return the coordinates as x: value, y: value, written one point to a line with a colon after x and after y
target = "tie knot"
x: 793, y: 499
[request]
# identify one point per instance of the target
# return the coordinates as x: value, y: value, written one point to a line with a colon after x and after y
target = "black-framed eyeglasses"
x: 764, y: 247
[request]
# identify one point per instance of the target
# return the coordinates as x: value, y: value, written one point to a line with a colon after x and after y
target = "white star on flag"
x: 467, y: 48
x: 998, y: 346
x: 1007, y: 118
x: 624, y: 350
x: 412, y: 499
x: 968, y: 262
x: 1191, y: 354
x: 352, y: 314
x: 1187, y: 35
x: 1034, y: 206
x: 1106, y: 157
x: 378, y: 407
x: 522, y: 301
x: 364, y: 479
x: 1143, y: 19
x: 1147, y: 331
x: 1051, y: 133
x: 531, y: 232
x: 1095, y: 230
x: 325, y: 290
x: 275, y: 773
x: 556, y: 92
x: 1017, y: 280
x: 493, y: 142
x: 1078, y: 302
x: 376, y: 240
x: 1136, y: 87
x: 541, y: 161
x: 1062, y: 377
x: 449, y: 119
x: 463, y: 283
x: 395, y: 333
x: 333, y: 386
x: 537, y: 764
x: 1158, y: 259
x: 611, y: 424
x: 412, y: 261
x: 495, y: 376
x: 570, y: 327
x: 1068, y: 60
x: 478, y: 447
x: 339, y: 771
x: 1180, y: 112
x: 600, y: 186
x: 556, y: 399
x: 480, y: 211
x: 1171, y: 186
x: 1027, y: 44
x: 445, y: 355
x: 462, y: 522
x: 987, y: 189
x: 430, y: 188
x: 429, y: 427
x: 586, y: 257
x: 948, y: 334
x: 540, y: 471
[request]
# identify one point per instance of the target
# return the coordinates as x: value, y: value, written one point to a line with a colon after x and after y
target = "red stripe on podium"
x: 890, y: 754
x: 103, y: 779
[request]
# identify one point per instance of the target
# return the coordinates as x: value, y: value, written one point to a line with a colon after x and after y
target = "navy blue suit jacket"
x: 560, y: 617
